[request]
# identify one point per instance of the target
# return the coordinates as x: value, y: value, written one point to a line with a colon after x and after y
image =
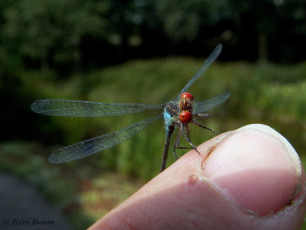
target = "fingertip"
x: 256, y: 168
x: 238, y: 174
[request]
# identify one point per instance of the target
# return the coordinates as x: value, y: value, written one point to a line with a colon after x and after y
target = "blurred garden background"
x: 139, y: 51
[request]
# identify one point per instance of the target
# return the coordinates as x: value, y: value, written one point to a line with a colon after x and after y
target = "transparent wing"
x: 212, y: 57
x: 91, y: 146
x: 204, y: 106
x: 76, y: 108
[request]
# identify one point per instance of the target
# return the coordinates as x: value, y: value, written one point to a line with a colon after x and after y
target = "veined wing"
x: 76, y: 108
x: 204, y: 106
x: 212, y: 57
x: 91, y: 146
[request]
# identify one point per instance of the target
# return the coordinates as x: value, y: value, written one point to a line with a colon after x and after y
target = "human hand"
x: 250, y: 178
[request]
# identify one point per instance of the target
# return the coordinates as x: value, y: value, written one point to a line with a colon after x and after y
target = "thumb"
x: 250, y: 178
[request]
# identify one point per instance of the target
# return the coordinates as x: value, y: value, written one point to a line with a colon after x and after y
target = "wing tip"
x: 36, y: 105
x: 226, y: 95
x: 219, y: 46
x: 218, y: 49
x: 53, y: 158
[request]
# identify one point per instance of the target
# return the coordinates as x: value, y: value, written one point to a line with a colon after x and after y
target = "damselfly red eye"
x: 185, y: 116
x: 187, y: 95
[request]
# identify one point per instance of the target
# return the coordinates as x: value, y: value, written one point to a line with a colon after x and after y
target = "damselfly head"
x: 186, y: 96
x: 186, y: 102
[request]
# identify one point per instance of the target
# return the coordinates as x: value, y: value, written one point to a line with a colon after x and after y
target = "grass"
x: 261, y: 93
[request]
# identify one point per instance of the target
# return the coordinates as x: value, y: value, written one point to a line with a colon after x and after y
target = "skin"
x: 250, y: 178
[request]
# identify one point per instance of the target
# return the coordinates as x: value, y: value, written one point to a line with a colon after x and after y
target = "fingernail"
x: 256, y: 168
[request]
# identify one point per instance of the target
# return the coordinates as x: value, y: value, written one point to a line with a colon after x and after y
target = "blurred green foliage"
x: 51, y: 31
x: 73, y: 35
